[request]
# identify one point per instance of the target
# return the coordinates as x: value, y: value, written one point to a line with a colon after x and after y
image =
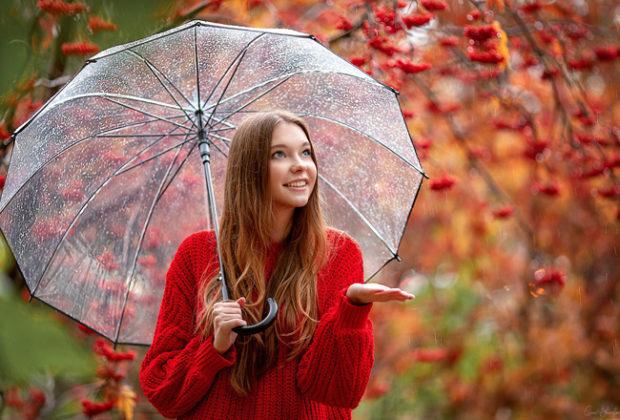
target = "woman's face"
x: 292, y: 172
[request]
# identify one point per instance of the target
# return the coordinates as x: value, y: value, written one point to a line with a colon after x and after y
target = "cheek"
x: 275, y: 175
x: 313, y: 171
x: 274, y: 182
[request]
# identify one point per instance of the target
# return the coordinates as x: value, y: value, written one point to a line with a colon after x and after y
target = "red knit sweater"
x: 184, y: 376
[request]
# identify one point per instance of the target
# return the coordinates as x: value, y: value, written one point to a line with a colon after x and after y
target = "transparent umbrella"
x: 110, y: 176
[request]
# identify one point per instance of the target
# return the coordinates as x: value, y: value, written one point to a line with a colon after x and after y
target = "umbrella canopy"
x: 106, y: 180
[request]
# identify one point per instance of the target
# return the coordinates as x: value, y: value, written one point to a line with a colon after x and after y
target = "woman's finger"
x: 230, y: 316
x: 401, y: 296
x: 226, y: 306
x: 229, y: 325
x: 395, y: 290
x: 228, y: 311
x: 222, y: 319
x: 227, y: 303
x: 390, y: 289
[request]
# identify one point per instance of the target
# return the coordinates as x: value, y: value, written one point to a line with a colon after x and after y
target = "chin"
x: 300, y: 203
x: 297, y: 203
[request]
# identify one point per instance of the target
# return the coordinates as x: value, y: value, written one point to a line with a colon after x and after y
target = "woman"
x: 314, y: 362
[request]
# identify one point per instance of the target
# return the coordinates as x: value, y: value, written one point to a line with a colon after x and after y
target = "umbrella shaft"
x: 205, y: 154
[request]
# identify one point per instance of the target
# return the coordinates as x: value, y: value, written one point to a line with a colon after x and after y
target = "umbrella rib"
x: 92, y: 196
x: 218, y: 149
x: 357, y: 212
x: 315, y: 116
x: 241, y: 52
x: 183, y: 162
x: 341, y: 195
x: 197, y: 68
x: 289, y: 75
x: 121, y: 136
x: 177, y: 170
x: 395, y: 257
x: 45, y: 164
x: 147, y: 113
x: 159, y: 195
x: 249, y: 103
x: 115, y: 95
x: 224, y: 139
x: 230, y: 126
x: 163, y: 152
x: 152, y: 67
x: 227, y: 85
x: 103, y: 134
x: 222, y: 129
x: 347, y: 126
x: 134, y: 124
x: 129, y: 276
x: 367, y: 136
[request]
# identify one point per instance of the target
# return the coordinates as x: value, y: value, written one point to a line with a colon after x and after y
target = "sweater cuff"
x: 351, y: 315
x: 207, y: 356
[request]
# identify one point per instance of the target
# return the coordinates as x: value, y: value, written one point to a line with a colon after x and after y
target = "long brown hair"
x: 244, y: 241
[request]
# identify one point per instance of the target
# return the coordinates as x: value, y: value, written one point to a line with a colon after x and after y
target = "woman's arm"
x: 179, y: 367
x: 335, y: 368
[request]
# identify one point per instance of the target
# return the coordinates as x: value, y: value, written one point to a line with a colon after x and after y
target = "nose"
x: 297, y: 165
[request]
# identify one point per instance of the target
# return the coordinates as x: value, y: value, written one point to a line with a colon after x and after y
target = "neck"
x: 281, y: 224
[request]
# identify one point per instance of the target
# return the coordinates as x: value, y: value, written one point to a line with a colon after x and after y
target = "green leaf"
x: 33, y: 343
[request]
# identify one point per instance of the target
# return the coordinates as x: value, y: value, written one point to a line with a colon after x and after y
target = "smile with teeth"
x: 298, y: 184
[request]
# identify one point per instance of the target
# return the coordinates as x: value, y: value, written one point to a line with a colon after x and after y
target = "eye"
x: 307, y: 152
x: 277, y: 154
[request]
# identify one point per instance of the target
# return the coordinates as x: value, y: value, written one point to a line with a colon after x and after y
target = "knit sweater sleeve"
x: 335, y: 368
x: 179, y: 367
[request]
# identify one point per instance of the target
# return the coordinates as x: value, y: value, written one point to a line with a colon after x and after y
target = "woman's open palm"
x: 361, y: 293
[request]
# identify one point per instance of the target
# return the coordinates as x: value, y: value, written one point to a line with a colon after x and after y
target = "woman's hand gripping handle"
x: 226, y: 316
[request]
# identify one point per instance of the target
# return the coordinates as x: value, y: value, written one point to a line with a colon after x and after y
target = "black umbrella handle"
x: 262, y: 325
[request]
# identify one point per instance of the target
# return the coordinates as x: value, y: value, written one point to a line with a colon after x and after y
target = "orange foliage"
x: 513, y: 256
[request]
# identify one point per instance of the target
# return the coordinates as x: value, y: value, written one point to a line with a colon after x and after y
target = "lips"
x: 297, y: 183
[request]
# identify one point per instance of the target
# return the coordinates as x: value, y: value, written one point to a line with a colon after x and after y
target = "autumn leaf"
x: 126, y: 402
x: 502, y: 47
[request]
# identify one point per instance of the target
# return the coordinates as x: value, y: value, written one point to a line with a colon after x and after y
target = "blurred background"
x: 512, y: 246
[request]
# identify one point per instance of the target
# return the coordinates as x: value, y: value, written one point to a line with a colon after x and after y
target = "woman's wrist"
x: 353, y: 301
x: 356, y: 303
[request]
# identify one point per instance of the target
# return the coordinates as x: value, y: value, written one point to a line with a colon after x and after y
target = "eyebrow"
x: 284, y: 146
